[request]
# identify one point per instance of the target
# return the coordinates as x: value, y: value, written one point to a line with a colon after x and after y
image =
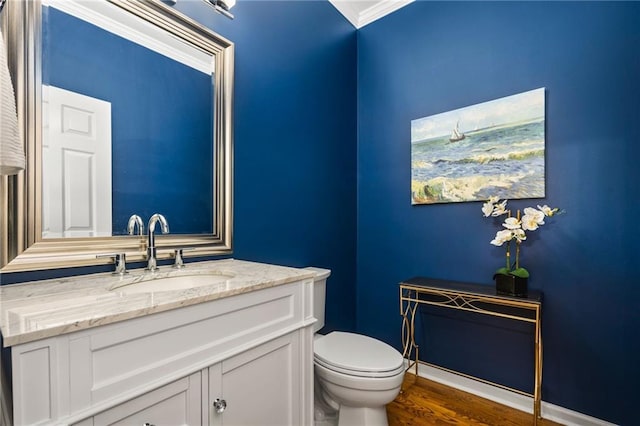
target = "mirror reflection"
x: 128, y: 124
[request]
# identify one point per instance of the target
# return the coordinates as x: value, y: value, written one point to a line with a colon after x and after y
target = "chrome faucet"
x: 133, y: 221
x: 151, y: 239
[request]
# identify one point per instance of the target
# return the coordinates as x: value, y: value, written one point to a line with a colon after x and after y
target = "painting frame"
x: 493, y: 148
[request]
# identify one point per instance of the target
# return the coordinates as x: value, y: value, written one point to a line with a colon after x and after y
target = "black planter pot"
x: 510, y: 285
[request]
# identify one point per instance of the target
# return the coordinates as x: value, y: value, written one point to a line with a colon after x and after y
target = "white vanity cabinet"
x: 251, y: 351
x: 257, y: 387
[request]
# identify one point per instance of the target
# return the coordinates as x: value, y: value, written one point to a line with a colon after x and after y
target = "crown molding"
x: 361, y: 13
x: 120, y: 22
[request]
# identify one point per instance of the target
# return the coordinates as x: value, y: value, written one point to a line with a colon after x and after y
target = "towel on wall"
x: 11, y: 150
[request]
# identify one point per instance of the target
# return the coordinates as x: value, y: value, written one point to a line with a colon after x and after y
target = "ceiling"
x: 363, y: 12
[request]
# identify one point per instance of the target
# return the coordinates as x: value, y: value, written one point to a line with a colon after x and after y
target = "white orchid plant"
x: 515, y: 230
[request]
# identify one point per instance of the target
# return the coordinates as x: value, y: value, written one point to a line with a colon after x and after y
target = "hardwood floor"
x: 423, y: 402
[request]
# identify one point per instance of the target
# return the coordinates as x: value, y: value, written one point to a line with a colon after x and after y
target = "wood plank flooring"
x: 424, y: 402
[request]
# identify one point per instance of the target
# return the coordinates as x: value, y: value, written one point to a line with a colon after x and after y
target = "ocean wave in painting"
x: 488, y: 158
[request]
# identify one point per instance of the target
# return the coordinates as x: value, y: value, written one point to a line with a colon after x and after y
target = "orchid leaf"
x: 503, y: 271
x: 520, y: 272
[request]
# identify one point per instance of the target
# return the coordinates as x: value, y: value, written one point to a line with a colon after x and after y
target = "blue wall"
x: 432, y: 57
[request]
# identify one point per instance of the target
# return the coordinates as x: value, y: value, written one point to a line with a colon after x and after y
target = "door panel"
x: 259, y: 386
x: 177, y: 403
x: 76, y: 163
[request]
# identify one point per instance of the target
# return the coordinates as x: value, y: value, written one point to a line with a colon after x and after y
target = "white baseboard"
x: 506, y: 397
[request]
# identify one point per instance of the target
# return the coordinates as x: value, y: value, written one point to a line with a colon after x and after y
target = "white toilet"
x: 355, y: 375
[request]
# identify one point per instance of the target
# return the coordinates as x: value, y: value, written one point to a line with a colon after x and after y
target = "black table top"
x: 470, y: 288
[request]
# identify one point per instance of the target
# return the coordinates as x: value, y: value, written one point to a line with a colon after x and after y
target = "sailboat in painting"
x: 456, y: 134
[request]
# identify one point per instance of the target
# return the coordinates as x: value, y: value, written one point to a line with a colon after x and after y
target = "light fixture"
x: 222, y: 6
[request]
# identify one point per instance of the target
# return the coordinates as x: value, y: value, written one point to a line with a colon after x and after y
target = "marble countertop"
x: 40, y: 309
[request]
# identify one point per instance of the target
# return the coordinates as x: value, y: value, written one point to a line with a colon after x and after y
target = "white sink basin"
x: 182, y: 281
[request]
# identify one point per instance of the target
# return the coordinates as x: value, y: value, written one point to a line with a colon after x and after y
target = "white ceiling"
x: 363, y: 12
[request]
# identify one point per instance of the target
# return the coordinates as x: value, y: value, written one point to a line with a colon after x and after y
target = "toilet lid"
x: 356, y: 353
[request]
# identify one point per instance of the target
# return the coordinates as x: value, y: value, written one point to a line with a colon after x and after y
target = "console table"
x: 481, y: 299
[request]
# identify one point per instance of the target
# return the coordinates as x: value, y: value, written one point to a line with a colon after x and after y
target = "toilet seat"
x: 357, y: 355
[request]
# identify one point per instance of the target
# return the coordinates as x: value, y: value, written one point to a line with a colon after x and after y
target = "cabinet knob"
x: 148, y: 424
x: 219, y: 405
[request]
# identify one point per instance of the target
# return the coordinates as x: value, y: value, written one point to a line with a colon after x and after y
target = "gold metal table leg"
x: 409, y: 345
x: 537, y: 391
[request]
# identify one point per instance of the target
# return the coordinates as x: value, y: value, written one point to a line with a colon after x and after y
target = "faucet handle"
x: 178, y: 254
x: 120, y: 260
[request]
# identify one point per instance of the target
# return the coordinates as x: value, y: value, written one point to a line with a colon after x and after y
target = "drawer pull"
x: 219, y: 405
x: 148, y: 424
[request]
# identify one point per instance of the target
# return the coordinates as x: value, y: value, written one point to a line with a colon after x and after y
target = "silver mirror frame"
x: 22, y: 246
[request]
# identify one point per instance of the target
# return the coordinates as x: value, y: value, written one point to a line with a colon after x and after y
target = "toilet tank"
x: 319, y: 295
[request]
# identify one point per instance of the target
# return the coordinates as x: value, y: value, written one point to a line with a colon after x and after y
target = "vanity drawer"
x: 120, y: 360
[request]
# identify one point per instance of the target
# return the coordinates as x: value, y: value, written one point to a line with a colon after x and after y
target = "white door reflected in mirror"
x: 76, y: 165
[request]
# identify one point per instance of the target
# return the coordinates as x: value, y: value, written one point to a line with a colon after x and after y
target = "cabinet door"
x: 261, y: 386
x: 178, y: 403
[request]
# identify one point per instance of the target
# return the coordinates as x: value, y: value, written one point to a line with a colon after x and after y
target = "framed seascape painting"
x: 495, y: 148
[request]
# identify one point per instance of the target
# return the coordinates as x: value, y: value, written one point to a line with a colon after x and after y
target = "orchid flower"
x: 532, y: 219
x: 502, y: 237
x: 499, y: 209
x: 487, y: 208
x: 515, y: 228
x: 511, y: 223
x: 519, y: 235
x: 548, y: 211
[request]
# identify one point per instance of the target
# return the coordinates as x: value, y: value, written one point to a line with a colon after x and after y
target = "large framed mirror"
x: 125, y: 108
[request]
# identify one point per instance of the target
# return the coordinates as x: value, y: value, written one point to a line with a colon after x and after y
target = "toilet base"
x: 362, y: 416
x: 360, y: 401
